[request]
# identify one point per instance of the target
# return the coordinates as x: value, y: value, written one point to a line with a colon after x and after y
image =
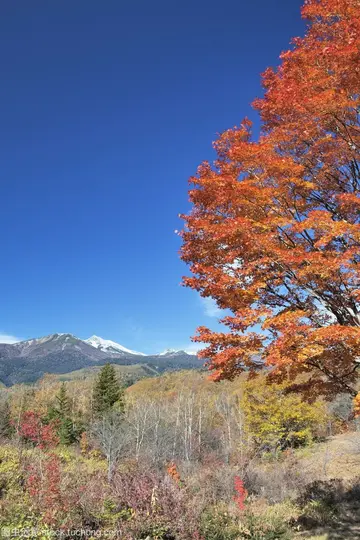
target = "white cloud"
x: 7, y: 338
x: 210, y: 307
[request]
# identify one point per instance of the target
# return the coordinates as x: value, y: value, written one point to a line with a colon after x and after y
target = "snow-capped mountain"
x: 111, y: 347
x: 53, y: 343
x: 167, y: 352
x: 27, y: 361
x: 174, y: 352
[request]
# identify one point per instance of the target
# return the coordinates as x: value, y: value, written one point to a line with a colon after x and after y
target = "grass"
x: 338, y: 457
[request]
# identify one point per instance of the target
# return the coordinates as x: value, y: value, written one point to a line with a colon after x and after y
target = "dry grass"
x: 334, y: 462
x: 338, y: 457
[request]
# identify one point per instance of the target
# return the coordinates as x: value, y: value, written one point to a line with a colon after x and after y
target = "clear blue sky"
x: 107, y: 107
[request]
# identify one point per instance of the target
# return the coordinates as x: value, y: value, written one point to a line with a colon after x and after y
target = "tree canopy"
x: 274, y: 232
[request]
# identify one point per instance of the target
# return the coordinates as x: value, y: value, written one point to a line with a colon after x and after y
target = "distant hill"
x: 129, y: 374
x: 27, y: 361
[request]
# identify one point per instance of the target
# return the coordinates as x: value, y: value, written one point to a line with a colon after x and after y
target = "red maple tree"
x: 274, y: 232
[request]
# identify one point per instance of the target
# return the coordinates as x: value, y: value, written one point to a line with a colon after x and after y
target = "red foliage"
x: 44, y: 487
x: 174, y: 473
x: 56, y: 496
x: 34, y: 430
x: 241, y: 493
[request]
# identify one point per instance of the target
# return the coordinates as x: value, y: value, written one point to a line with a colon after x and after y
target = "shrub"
x: 320, y: 502
x: 254, y: 527
x: 218, y: 524
x: 158, y: 507
x: 277, y: 481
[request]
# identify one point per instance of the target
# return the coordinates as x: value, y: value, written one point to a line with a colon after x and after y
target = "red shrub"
x: 241, y: 493
x: 44, y: 487
x: 174, y: 473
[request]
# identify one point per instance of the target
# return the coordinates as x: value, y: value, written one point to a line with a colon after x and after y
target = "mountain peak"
x: 27, y: 361
x: 168, y: 352
x: 174, y: 352
x: 106, y: 345
x: 50, y: 337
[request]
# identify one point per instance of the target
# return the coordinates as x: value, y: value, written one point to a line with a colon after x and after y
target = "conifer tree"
x: 66, y: 431
x: 61, y: 412
x: 5, y: 421
x: 107, y: 391
x: 63, y: 406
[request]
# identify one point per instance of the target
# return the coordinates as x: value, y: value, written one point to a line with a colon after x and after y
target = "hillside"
x: 335, y: 465
x: 129, y: 373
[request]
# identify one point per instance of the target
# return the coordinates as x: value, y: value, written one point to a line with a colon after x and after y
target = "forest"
x: 174, y: 456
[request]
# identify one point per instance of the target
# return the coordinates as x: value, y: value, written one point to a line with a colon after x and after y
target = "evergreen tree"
x: 5, y: 421
x: 66, y: 431
x: 107, y: 391
x: 61, y: 412
x: 63, y: 405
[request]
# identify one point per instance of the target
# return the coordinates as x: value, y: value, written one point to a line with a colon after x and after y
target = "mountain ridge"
x: 27, y: 361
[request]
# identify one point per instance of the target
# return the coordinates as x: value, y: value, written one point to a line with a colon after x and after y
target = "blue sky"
x: 106, y: 109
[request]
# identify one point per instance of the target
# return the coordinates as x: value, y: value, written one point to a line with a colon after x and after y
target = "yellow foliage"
x: 357, y: 405
x: 9, y: 459
x: 277, y: 419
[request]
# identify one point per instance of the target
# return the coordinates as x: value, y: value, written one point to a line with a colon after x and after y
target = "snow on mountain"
x: 174, y: 352
x: 108, y: 346
x: 27, y: 361
x: 45, y: 339
x: 167, y: 352
x: 57, y: 342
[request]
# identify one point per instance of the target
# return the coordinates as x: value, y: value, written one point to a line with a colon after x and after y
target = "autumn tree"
x: 107, y: 391
x: 38, y: 431
x: 274, y: 232
x: 275, y: 419
x: 43, y: 484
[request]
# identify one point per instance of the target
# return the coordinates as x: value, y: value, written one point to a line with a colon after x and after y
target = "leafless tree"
x: 111, y: 434
x: 231, y: 426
